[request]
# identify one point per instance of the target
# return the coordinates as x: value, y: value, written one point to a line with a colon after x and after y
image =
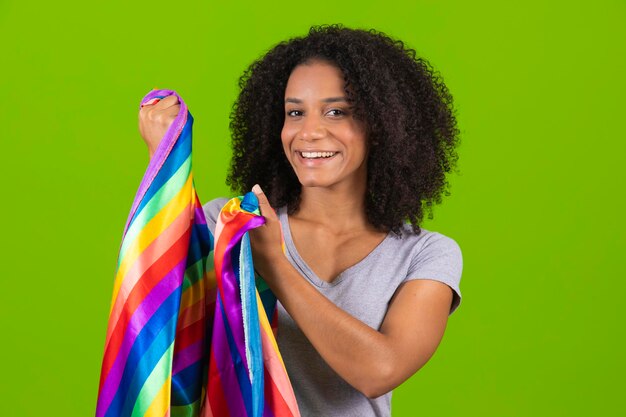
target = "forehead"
x: 315, y: 79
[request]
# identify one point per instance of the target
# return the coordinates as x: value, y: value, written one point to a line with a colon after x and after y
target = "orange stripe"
x: 148, y: 257
x: 192, y: 294
x: 274, y: 364
x: 235, y: 223
x: 274, y: 398
x: 191, y: 314
x: 154, y: 228
x: 276, y: 372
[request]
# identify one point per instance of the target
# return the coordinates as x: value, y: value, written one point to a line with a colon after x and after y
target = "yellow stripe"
x: 154, y: 205
x: 267, y: 329
x: 192, y: 295
x: 154, y: 400
x: 278, y: 375
x: 161, y: 401
x: 151, y: 231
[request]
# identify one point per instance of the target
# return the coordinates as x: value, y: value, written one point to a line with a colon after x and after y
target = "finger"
x: 159, y: 104
x: 154, y: 112
x: 264, y: 205
x: 168, y: 101
x: 151, y: 102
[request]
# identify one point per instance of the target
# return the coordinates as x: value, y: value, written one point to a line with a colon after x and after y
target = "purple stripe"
x: 224, y: 364
x: 267, y: 411
x: 187, y: 357
x: 231, y: 290
x: 144, y: 312
x: 199, y: 215
x: 163, y: 150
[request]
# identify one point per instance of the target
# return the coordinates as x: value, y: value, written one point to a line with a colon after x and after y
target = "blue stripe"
x: 200, y: 243
x: 154, y: 339
x: 250, y: 311
x: 238, y: 365
x: 187, y: 384
x: 179, y: 154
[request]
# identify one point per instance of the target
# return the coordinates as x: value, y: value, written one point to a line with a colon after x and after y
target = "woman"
x: 349, y: 136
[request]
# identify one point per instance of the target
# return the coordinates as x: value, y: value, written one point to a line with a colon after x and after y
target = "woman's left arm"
x: 372, y: 361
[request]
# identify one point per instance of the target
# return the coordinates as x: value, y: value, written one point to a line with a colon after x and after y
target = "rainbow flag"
x: 188, y: 332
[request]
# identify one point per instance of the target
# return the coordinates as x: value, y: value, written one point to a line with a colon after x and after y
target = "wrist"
x: 270, y: 268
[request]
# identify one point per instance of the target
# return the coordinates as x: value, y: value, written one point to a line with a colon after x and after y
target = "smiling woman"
x: 324, y: 144
x: 350, y: 137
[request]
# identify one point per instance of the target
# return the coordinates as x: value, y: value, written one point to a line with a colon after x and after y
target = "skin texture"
x: 318, y: 118
x: 154, y: 120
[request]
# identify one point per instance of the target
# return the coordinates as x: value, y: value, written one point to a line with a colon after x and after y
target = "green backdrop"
x: 537, y: 206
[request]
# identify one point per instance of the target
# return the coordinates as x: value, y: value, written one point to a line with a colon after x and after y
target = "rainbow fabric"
x: 188, y: 331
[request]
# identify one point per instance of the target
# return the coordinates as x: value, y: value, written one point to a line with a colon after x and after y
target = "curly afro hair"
x: 407, y: 109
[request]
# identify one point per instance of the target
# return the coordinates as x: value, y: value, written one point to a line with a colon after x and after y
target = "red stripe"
x: 173, y: 256
x: 234, y: 225
x: 273, y: 397
x: 216, y: 398
x: 189, y: 335
x: 147, y: 257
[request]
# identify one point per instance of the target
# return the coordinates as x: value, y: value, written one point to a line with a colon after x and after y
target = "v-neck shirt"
x: 304, y: 268
x: 364, y: 290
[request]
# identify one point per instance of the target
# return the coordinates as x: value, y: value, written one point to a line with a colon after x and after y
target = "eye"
x: 294, y: 113
x: 336, y: 112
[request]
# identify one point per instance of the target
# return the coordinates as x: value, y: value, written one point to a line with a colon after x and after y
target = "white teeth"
x: 317, y: 154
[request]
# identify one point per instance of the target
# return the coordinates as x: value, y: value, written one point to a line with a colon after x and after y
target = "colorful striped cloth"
x: 188, y: 330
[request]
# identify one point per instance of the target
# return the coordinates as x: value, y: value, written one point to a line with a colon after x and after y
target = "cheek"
x: 356, y: 138
x: 286, y: 135
x: 360, y: 146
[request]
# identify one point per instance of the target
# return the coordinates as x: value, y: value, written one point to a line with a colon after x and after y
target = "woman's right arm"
x: 373, y: 361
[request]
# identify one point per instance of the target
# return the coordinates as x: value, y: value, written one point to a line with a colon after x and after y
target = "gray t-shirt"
x: 363, y: 290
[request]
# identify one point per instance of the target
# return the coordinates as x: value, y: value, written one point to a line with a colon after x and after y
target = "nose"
x: 312, y: 128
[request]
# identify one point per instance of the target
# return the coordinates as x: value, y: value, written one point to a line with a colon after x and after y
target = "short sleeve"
x: 439, y: 259
x: 212, y: 211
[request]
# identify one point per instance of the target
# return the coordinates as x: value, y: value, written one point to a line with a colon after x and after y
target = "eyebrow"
x: 325, y: 100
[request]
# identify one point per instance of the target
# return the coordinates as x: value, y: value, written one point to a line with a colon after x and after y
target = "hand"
x: 155, y: 119
x: 266, y: 241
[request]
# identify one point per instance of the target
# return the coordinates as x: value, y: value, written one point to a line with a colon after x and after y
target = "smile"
x: 317, y: 155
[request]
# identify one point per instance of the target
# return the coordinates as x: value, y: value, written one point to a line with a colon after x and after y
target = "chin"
x: 314, y: 182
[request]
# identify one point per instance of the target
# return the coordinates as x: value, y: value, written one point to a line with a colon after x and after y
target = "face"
x: 323, y: 142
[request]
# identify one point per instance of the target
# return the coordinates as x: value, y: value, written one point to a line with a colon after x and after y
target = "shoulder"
x: 212, y: 211
x: 426, y: 242
x: 433, y: 256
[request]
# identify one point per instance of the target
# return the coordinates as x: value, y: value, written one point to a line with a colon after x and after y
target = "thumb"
x: 264, y: 205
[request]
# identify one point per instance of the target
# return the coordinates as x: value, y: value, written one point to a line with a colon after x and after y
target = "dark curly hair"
x: 406, y: 107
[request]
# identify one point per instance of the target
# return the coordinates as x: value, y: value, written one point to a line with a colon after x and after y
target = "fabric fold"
x: 188, y: 334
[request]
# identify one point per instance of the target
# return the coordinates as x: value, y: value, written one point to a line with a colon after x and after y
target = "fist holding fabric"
x: 155, y: 117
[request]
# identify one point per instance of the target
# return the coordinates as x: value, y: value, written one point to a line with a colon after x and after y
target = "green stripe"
x: 188, y: 410
x: 193, y: 273
x: 260, y: 283
x: 209, y: 262
x: 153, y: 383
x: 160, y: 199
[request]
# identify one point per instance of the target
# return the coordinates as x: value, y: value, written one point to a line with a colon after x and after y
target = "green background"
x: 537, y: 206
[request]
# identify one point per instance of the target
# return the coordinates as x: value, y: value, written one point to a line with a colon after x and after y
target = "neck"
x: 340, y: 210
